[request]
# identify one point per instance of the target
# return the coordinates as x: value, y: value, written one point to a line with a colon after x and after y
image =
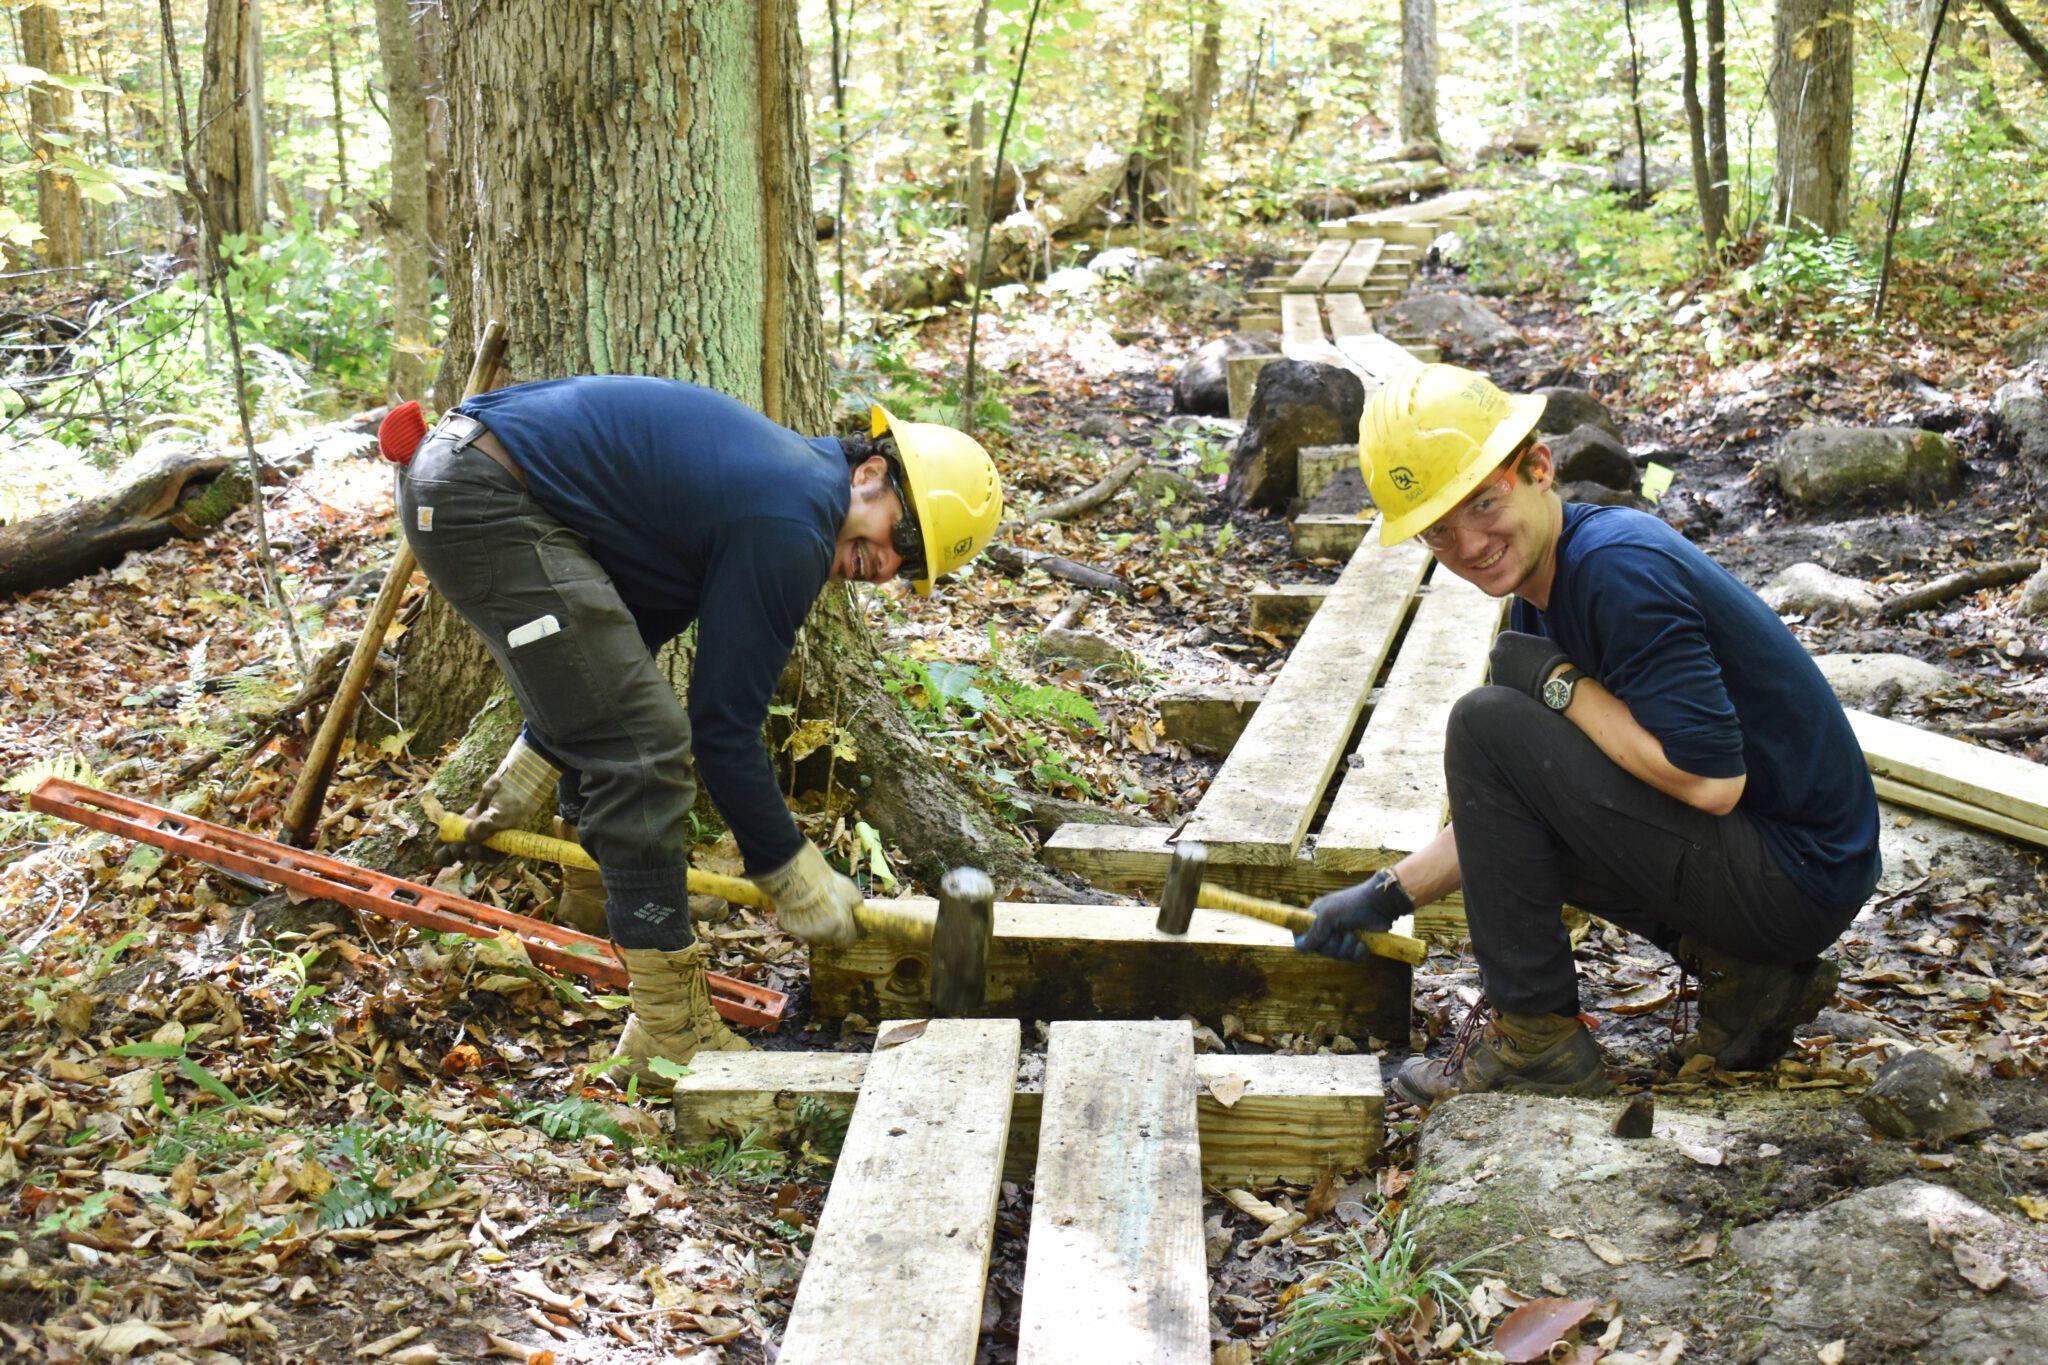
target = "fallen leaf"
x: 384, y: 1346
x: 123, y: 1339
x: 1228, y: 1090
x: 2033, y: 1205
x: 1979, y: 1269
x: 1531, y: 1331
x: 1244, y: 1201
x: 1288, y: 1225
x: 896, y: 1037
x: 1604, y: 1249
x: 1702, y: 1248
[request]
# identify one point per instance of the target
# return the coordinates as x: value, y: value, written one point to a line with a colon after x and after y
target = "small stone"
x: 1634, y: 1118
x: 1918, y: 1097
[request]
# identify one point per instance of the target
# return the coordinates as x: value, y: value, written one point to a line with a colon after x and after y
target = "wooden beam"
x: 1263, y: 324
x: 1377, y: 355
x: 1290, y: 1117
x: 1358, y: 264
x: 1301, y: 334
x: 1999, y: 783
x: 1208, y: 718
x: 1287, y: 609
x: 1109, y: 962
x: 1310, y: 278
x: 1260, y: 803
x: 1348, y: 317
x: 1958, y: 810
x: 1391, y: 799
x: 913, y: 1203
x: 1242, y: 374
x: 1315, y: 466
x: 1117, y: 1273
x: 1322, y: 536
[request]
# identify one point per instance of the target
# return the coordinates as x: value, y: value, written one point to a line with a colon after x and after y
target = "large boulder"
x: 1294, y: 405
x: 1865, y: 680
x: 1804, y: 589
x: 1592, y: 454
x: 1824, y: 465
x: 1566, y: 408
x: 2028, y: 342
x: 1203, y: 383
x: 1325, y: 206
x: 1455, y: 323
x: 2020, y: 409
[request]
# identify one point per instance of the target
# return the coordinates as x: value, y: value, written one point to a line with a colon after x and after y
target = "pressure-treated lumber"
x: 1116, y: 1273
x: 1377, y: 355
x: 1288, y: 1117
x: 1958, y: 810
x: 1243, y: 376
x: 1209, y: 716
x: 1315, y: 466
x: 1259, y: 805
x: 1348, y: 317
x: 1316, y: 270
x: 900, y: 1260
x: 1301, y: 334
x: 1287, y: 609
x: 1111, y: 962
x: 1320, y: 535
x: 1984, y: 778
x: 1358, y: 265
x: 1391, y: 799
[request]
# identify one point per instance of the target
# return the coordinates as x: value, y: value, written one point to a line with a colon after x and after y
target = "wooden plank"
x: 1132, y: 859
x: 1958, y: 810
x: 1358, y: 264
x: 1320, y: 536
x: 1109, y: 962
x: 1348, y: 317
x: 1315, y: 466
x: 1242, y: 373
x: 1117, y: 1274
x: 1315, y: 271
x: 2000, y: 783
x: 900, y: 1259
x: 1292, y: 1118
x: 1261, y: 323
x: 1287, y: 609
x: 1379, y: 356
x: 1259, y: 805
x: 1209, y: 717
x: 1391, y: 799
x: 1301, y: 335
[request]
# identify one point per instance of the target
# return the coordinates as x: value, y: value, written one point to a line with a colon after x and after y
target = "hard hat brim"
x: 1524, y: 411
x: 883, y: 422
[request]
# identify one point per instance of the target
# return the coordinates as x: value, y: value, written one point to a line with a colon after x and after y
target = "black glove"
x: 1525, y: 662
x: 1370, y: 907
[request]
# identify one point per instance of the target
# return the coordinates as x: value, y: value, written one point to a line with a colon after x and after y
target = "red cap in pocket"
x: 400, y: 433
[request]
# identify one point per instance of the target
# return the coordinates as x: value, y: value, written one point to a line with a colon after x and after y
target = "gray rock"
x: 1158, y: 275
x: 2029, y: 341
x: 1119, y: 262
x: 1899, y: 1272
x: 1097, y: 426
x: 1823, y: 465
x: 1456, y: 323
x: 2020, y: 410
x: 1168, y: 486
x: 1203, y: 384
x: 1805, y: 588
x: 1325, y: 206
x: 2033, y: 601
x: 1566, y: 408
x: 1860, y: 679
x: 1627, y: 177
x: 1918, y: 1097
x: 1294, y: 405
x: 1591, y: 454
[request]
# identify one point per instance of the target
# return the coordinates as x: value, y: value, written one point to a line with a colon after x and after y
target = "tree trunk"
x: 405, y: 225
x: 1418, y: 72
x: 230, y: 170
x: 1717, y: 99
x: 2022, y: 36
x: 1813, y: 78
x: 58, y: 206
x: 977, y: 131
x: 188, y: 494
x: 1184, y: 182
x: 340, y: 110
x: 1712, y: 194
x: 668, y: 233
x: 430, y: 35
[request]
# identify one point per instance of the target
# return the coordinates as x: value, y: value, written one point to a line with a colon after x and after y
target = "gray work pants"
x: 595, y: 702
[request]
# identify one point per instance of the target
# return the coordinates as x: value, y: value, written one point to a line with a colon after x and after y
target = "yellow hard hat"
x: 1430, y: 436
x: 954, y: 492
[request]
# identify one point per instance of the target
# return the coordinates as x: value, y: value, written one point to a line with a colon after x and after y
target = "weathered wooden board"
x: 1377, y: 355
x: 1259, y: 805
x: 1243, y: 377
x: 900, y: 1260
x: 1117, y: 1273
x: 1292, y: 1118
x: 1301, y: 334
x: 1357, y: 267
x: 1391, y: 799
x: 1315, y: 466
x: 2000, y: 783
x: 1208, y: 717
x: 1348, y: 317
x: 1320, y: 536
x: 1109, y: 962
x: 1315, y: 271
x: 1287, y: 609
x: 1960, y: 811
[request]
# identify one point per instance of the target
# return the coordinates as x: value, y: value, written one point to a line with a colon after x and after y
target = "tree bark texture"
x: 405, y: 218
x: 1711, y: 193
x: 230, y: 143
x: 1813, y: 79
x: 1418, y: 72
x: 1184, y: 181
x: 59, y: 207
x: 430, y: 40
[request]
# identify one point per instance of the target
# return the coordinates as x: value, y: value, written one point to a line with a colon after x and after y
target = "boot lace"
x: 1470, y: 1030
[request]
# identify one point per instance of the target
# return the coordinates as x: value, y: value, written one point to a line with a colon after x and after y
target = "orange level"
x: 549, y: 945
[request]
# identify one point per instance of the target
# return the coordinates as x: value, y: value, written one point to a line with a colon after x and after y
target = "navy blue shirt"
x: 1709, y: 670
x: 701, y: 510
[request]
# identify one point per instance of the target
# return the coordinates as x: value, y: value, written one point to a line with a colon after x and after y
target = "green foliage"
x: 726, y: 1159
x: 1362, y: 1293
x: 319, y: 295
x: 382, y: 1171
x: 22, y: 822
x: 570, y: 1119
x: 820, y: 1127
x: 79, y: 1217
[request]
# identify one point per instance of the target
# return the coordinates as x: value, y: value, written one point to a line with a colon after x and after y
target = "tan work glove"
x: 811, y: 900
x: 511, y: 798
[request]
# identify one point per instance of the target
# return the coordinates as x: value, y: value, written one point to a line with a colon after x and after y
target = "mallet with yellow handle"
x: 958, y: 929
x: 1186, y: 890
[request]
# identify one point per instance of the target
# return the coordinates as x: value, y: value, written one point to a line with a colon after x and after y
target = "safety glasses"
x: 905, y: 535
x: 1478, y: 512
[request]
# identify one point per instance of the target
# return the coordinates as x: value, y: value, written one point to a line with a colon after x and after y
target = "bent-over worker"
x: 579, y: 524
x: 1654, y: 748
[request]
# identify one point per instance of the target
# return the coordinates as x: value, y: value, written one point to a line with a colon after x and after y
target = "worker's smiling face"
x: 867, y: 552
x: 1503, y: 537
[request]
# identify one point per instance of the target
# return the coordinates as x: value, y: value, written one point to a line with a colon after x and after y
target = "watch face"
x: 1557, y: 693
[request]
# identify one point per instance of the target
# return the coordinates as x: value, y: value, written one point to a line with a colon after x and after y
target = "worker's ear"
x: 1540, y: 465
x: 873, y: 472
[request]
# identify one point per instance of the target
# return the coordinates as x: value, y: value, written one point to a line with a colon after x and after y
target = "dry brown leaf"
x: 1702, y: 1248
x: 1604, y: 1249
x: 384, y: 1346
x: 1531, y: 1331
x: 1244, y: 1201
x: 1979, y: 1269
x: 896, y: 1037
x: 1228, y: 1090
x: 1288, y: 1225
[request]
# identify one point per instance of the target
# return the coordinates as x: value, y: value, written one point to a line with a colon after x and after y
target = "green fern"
x: 16, y: 824
x: 379, y: 1172
x: 820, y: 1126
x: 570, y: 1120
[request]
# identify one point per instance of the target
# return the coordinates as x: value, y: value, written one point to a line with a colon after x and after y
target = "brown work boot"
x: 1748, y: 1010
x: 1543, y: 1054
x: 672, y: 1014
x: 581, y: 903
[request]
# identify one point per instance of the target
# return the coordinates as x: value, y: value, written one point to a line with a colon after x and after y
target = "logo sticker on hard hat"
x: 1403, y: 478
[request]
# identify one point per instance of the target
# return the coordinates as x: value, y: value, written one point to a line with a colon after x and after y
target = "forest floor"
x: 230, y: 1135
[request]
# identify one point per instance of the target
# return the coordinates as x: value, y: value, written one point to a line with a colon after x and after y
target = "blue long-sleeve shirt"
x: 1712, y: 672
x: 700, y: 509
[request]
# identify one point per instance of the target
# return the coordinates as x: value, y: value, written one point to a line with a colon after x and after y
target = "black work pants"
x: 1543, y: 819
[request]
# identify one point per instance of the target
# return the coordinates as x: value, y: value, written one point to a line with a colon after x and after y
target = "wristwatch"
x: 1557, y: 693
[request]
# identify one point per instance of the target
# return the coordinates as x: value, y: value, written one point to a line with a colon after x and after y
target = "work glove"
x: 813, y: 901
x: 1370, y: 907
x: 1525, y: 662
x: 511, y: 798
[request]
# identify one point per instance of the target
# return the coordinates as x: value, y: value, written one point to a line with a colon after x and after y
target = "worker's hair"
x: 861, y: 447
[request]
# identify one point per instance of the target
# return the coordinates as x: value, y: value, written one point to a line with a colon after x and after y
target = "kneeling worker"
x: 1654, y: 748
x: 580, y: 524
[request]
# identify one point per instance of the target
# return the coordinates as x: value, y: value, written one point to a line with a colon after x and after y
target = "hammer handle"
x: 895, y: 922
x: 1399, y: 947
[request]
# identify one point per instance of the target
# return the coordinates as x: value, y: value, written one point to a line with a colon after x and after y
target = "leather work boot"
x: 672, y: 1014
x: 1543, y: 1054
x: 581, y: 903
x: 1749, y: 1009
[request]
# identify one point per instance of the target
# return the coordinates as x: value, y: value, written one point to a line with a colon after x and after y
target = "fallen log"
x: 1094, y: 495
x: 1956, y: 584
x: 1012, y: 560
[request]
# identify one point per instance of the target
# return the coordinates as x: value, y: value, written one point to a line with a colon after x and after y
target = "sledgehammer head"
x: 962, y: 932
x: 1183, y: 884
